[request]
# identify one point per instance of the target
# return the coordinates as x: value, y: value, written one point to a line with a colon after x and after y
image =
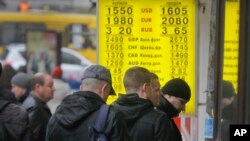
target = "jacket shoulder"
x: 3, y: 104
x: 156, y: 116
x: 116, y: 127
x: 114, y: 113
x: 29, y: 103
x: 14, y: 119
x: 114, y: 117
x: 14, y: 113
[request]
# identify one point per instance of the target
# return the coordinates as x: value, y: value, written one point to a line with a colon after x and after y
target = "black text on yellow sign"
x: 156, y: 34
x: 231, y: 42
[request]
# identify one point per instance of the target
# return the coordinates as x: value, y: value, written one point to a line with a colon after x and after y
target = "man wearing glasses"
x: 176, y: 93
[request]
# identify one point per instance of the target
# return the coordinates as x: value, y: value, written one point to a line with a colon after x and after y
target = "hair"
x: 154, y: 76
x: 38, y: 78
x: 92, y: 82
x: 228, y: 90
x: 135, y: 77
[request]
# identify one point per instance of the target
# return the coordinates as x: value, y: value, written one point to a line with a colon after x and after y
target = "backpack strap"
x: 101, y: 118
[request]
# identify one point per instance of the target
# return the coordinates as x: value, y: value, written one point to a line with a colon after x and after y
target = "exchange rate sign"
x: 156, y: 34
x: 231, y: 42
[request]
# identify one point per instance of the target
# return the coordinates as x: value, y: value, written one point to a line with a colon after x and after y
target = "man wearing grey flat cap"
x: 20, y: 83
x: 78, y: 111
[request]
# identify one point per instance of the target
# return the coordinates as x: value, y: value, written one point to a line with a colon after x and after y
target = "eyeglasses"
x: 182, y: 101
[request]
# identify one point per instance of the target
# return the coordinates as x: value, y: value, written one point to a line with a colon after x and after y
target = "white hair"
x: 91, y: 84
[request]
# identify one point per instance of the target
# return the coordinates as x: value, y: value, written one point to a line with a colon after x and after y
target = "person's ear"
x: 142, y: 92
x: 144, y: 87
x: 104, y: 88
x: 105, y: 91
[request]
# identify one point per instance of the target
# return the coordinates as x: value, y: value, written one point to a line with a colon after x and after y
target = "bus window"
x: 78, y: 30
x: 15, y: 32
x: 81, y: 36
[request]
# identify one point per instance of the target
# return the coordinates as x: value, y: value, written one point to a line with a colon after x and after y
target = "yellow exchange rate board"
x: 156, y: 34
x: 231, y: 42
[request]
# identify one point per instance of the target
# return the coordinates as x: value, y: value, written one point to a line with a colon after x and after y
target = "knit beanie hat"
x: 228, y: 89
x: 178, y: 88
x: 21, y: 80
x: 57, y: 72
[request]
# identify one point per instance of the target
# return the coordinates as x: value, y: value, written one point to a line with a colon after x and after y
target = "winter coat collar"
x: 167, y: 107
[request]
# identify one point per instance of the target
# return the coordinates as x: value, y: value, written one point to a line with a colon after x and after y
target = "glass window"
x: 70, y: 59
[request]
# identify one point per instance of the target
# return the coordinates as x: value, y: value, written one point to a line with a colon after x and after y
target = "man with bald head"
x: 42, y: 90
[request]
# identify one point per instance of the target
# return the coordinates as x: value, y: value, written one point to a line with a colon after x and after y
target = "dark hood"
x: 132, y: 107
x: 3, y: 104
x: 77, y: 106
x: 167, y: 107
x: 6, y: 94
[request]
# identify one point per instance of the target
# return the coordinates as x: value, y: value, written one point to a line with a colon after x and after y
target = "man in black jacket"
x: 229, y: 109
x: 13, y: 121
x: 39, y: 113
x: 176, y: 93
x: 137, y: 106
x: 78, y: 111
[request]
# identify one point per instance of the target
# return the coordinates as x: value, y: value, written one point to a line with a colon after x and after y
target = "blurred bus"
x: 78, y: 30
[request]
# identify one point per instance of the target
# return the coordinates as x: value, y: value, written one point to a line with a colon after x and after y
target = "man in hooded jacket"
x: 137, y: 106
x: 78, y: 111
x: 13, y: 121
x: 176, y: 93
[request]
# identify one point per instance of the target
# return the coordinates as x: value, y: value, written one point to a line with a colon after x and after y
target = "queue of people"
x: 145, y: 112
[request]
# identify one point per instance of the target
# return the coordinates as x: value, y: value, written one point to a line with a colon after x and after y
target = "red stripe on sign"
x: 177, y: 121
x: 187, y: 124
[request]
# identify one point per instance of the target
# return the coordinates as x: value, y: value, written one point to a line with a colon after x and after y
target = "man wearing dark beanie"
x: 176, y: 93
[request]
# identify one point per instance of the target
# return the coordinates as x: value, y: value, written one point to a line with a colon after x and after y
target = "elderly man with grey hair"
x: 78, y: 112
